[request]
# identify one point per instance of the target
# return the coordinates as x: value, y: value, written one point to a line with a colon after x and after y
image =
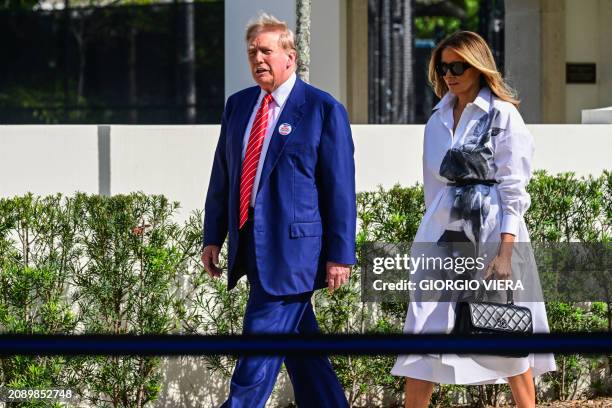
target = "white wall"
x: 387, y: 154
x: 522, y: 55
x: 589, y: 31
x: 582, y: 45
x: 170, y: 160
x: 48, y: 159
x: 328, y: 47
x: 583, y: 149
x: 605, y: 53
x: 586, y: 31
x: 176, y: 160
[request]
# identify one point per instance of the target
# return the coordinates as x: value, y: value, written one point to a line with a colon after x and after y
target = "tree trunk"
x: 133, y: 89
x: 397, y: 61
x: 81, y: 39
x: 66, y: 35
x: 407, y: 90
x: 303, y: 39
x: 373, y: 61
x: 82, y: 66
x: 391, y: 61
x: 185, y: 58
x: 562, y: 394
x: 385, y: 62
x: 189, y: 62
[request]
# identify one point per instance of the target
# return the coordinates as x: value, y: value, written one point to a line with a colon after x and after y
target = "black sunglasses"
x: 456, y: 68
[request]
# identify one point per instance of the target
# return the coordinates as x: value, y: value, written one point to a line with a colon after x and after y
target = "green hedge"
x: 122, y: 264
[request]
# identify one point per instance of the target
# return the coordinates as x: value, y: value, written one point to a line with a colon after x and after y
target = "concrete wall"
x: 541, y: 36
x: 552, y: 64
x: 176, y: 160
x: 328, y: 47
x: 605, y: 52
x: 48, y: 159
x: 601, y: 115
x: 523, y: 55
x: 189, y: 384
x: 588, y: 34
x: 169, y: 160
x: 582, y: 45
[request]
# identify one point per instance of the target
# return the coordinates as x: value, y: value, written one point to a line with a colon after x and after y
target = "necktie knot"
x: 267, y: 99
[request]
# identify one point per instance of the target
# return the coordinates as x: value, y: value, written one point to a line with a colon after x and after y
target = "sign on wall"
x: 580, y: 73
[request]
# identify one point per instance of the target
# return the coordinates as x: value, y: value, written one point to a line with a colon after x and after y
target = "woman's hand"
x: 501, y: 266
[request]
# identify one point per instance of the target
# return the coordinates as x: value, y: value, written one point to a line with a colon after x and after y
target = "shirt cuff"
x: 510, y: 224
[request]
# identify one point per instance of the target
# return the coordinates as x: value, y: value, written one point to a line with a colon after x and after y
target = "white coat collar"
x: 483, y: 100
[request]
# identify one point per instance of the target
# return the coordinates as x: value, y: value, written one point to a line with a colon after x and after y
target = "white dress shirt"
x: 279, y: 97
x: 513, y: 151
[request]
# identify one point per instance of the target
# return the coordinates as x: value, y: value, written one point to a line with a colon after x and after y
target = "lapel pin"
x: 284, y: 129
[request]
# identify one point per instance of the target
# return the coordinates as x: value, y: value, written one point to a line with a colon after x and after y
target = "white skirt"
x: 430, y: 317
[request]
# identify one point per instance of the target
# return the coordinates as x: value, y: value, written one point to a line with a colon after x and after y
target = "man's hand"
x: 337, y: 275
x: 210, y: 259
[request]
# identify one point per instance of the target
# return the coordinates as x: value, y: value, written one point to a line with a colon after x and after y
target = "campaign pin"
x: 284, y: 129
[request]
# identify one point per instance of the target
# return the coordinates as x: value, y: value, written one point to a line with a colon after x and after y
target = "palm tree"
x: 303, y: 38
x: 390, y: 60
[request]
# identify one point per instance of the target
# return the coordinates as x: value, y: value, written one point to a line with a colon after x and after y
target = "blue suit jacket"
x: 305, y: 209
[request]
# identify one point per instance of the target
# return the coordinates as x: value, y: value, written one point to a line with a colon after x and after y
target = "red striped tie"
x: 251, y: 158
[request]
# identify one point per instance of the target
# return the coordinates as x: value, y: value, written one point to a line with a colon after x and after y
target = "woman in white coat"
x: 476, y: 164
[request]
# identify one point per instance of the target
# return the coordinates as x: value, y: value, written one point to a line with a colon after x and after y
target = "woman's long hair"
x: 475, y: 51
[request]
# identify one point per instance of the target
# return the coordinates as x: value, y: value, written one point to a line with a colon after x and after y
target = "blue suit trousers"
x: 315, y: 383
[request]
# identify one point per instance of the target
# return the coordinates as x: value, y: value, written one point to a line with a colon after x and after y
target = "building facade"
x: 555, y: 52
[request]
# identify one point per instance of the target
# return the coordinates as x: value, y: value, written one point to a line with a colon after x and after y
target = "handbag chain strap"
x: 481, y: 290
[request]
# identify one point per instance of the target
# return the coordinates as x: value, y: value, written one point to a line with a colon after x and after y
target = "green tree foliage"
x: 441, y: 26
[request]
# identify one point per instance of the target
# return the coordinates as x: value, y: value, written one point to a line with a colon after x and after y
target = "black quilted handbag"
x: 493, y: 318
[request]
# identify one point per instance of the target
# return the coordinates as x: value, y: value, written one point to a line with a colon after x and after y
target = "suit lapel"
x: 292, y: 114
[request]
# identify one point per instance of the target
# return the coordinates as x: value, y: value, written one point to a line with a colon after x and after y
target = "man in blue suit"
x: 283, y: 188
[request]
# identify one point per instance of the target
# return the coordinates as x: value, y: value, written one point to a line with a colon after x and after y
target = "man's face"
x: 270, y: 64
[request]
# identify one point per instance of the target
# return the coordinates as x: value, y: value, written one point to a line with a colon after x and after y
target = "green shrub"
x: 92, y: 264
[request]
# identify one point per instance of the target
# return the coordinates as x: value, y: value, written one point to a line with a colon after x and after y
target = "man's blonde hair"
x: 267, y: 22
